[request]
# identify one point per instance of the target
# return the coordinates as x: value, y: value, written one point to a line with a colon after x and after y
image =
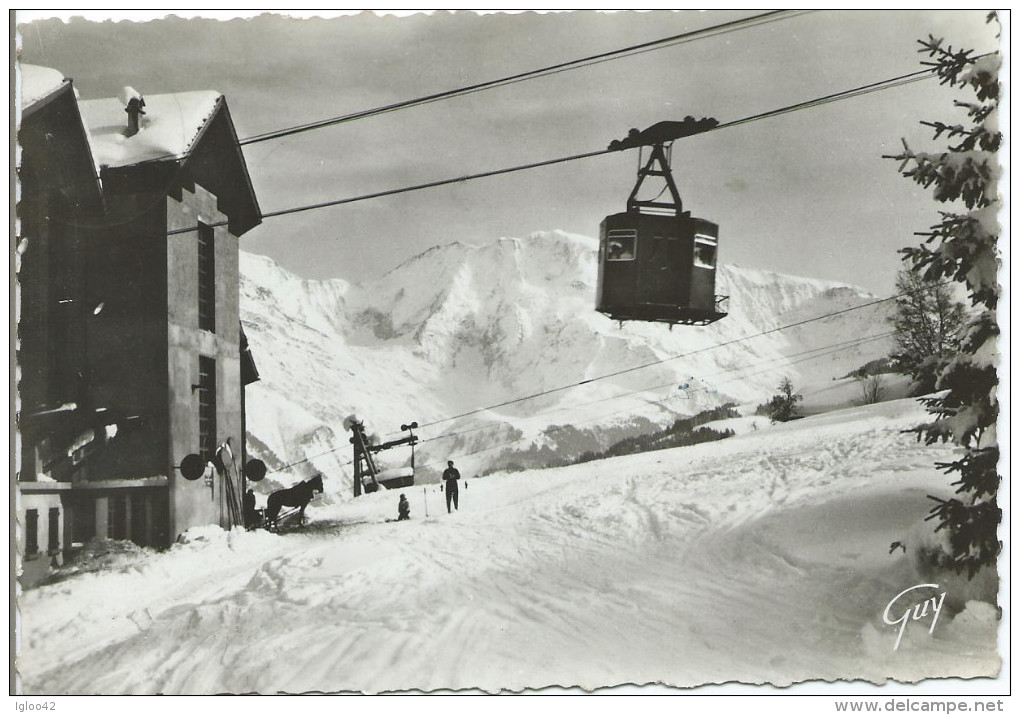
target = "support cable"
x: 634, y: 368
x: 835, y: 97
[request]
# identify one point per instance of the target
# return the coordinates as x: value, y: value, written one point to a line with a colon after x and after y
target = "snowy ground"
x: 763, y: 557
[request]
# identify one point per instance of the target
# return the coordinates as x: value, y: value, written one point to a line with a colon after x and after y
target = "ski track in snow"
x: 759, y: 558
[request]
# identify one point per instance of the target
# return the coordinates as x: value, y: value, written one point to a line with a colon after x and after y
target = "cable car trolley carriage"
x: 368, y: 477
x: 657, y: 263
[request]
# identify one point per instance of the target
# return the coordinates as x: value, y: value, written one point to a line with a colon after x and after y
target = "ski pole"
x: 425, y: 496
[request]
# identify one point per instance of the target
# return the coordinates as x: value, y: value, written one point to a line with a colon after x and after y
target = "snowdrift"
x: 761, y: 558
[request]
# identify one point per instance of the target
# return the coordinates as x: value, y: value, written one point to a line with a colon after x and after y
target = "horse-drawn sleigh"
x: 285, y: 508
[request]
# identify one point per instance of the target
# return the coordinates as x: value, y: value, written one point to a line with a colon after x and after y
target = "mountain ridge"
x: 461, y: 326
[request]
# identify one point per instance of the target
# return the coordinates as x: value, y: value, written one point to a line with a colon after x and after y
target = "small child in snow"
x: 403, y: 509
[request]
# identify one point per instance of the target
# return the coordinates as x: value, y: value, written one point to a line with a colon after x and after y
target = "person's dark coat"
x: 451, y: 476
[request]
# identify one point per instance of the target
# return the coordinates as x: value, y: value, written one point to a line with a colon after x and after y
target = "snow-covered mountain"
x: 460, y: 327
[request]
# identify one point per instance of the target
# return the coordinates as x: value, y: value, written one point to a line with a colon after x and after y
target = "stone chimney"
x: 133, y: 103
x: 134, y: 111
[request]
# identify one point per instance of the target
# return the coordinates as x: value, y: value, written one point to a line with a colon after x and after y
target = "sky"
x: 807, y: 193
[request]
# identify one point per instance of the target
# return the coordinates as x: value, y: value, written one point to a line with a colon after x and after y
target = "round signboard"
x: 255, y: 470
x: 192, y: 467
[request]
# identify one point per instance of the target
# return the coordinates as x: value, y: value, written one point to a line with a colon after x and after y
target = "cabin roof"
x: 53, y: 136
x: 192, y: 130
x: 169, y: 128
x: 38, y: 83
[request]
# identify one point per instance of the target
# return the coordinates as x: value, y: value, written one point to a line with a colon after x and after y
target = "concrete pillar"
x: 102, y: 517
x: 67, y: 527
x: 150, y: 534
x: 127, y: 515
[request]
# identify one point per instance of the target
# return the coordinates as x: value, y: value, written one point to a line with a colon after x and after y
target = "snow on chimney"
x: 134, y: 103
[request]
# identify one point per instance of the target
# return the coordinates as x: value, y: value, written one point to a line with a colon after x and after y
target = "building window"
x: 206, y: 407
x: 622, y: 245
x: 704, y: 250
x: 206, y: 279
x: 31, y: 532
x: 54, y: 531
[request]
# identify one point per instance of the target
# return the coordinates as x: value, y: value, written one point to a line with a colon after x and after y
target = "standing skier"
x: 403, y: 509
x: 450, y: 476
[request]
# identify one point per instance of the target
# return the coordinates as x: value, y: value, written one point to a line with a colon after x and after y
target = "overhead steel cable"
x: 908, y: 78
x: 623, y: 52
x: 819, y: 101
x: 285, y: 467
x: 661, y: 43
x: 643, y: 366
x: 624, y: 371
x: 671, y: 41
x: 803, y: 356
x: 651, y: 403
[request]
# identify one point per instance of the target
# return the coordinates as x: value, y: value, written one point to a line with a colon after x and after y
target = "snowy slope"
x: 459, y: 327
x: 764, y: 557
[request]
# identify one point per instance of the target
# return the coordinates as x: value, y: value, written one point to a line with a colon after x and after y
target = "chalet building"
x: 131, y: 355
x: 60, y: 203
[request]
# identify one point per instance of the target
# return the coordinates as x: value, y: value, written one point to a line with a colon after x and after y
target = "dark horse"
x: 297, y: 496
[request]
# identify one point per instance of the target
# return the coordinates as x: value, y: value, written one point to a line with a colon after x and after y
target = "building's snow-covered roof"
x: 37, y: 83
x: 169, y: 127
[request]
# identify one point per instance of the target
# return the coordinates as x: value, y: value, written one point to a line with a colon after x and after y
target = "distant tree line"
x: 684, y: 432
x: 878, y: 366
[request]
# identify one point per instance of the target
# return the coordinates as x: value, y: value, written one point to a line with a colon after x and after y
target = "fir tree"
x: 961, y: 247
x: 783, y: 407
x: 928, y: 323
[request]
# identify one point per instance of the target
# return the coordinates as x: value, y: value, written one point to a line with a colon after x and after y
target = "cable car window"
x: 704, y: 251
x: 622, y: 245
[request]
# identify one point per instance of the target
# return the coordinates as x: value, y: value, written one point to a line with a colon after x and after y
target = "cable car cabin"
x: 658, y: 268
x: 656, y: 262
